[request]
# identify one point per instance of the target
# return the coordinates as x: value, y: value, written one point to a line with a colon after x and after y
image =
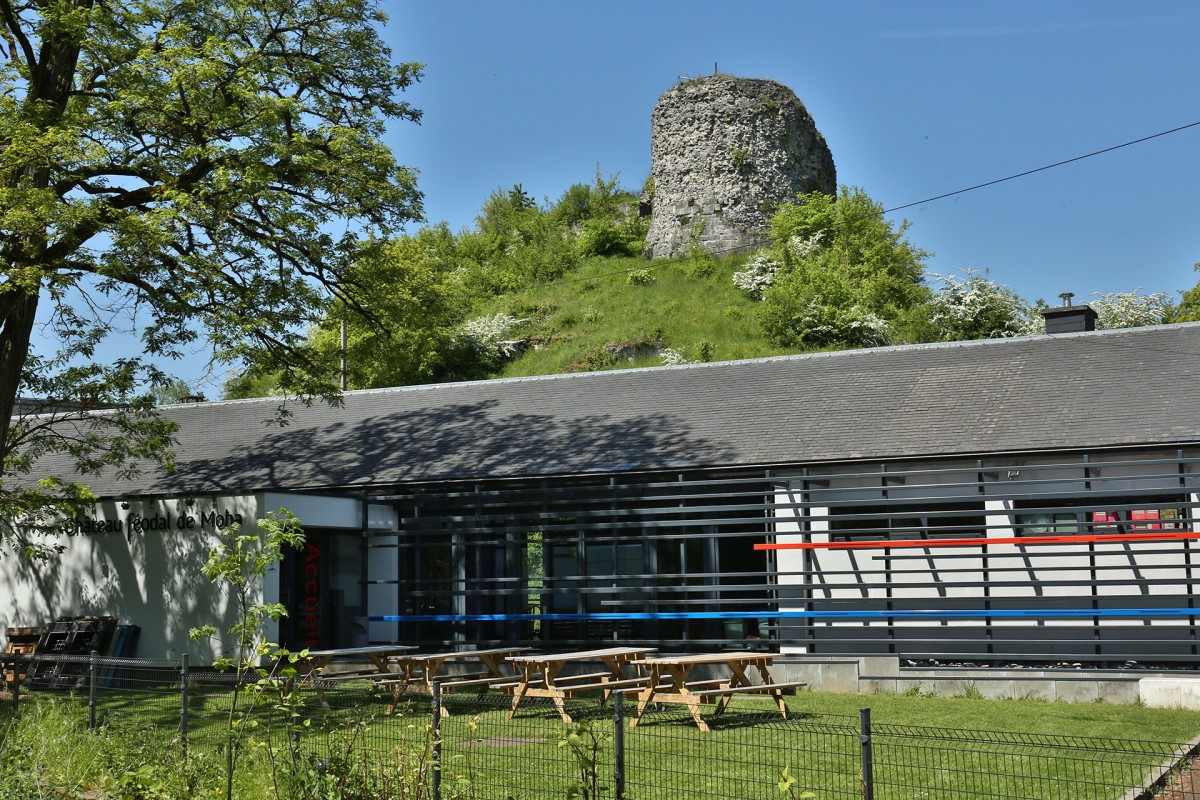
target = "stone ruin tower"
x: 725, y: 152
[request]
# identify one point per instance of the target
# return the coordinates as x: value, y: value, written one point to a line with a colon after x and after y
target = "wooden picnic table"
x: 312, y: 667
x: 540, y: 675
x: 668, y: 681
x: 424, y: 668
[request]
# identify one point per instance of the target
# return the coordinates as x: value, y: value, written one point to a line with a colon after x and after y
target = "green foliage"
x: 1188, y: 309
x: 971, y: 691
x: 173, y: 392
x: 594, y: 360
x: 605, y: 216
x: 515, y: 245
x: 254, y: 381
x: 861, y: 279
x: 741, y: 159
x: 415, y: 314
x: 48, y: 745
x: 603, y: 238
x: 240, y: 564
x: 640, y: 277
x: 178, y: 169
x: 353, y: 773
x: 583, y: 742
x: 602, y: 200
x: 47, y: 751
x: 700, y: 263
x: 575, y: 205
x: 404, y: 332
x: 787, y: 785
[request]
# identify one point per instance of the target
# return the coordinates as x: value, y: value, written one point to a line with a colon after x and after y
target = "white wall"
x: 142, y: 564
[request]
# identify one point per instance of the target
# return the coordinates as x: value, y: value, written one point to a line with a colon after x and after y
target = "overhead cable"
x: 1042, y: 169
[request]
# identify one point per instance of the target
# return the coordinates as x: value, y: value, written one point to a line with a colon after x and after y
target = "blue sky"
x: 914, y: 99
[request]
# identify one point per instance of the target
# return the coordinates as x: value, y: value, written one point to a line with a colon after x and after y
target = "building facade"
x: 1032, y: 500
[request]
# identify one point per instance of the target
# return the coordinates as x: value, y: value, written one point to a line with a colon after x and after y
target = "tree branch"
x: 12, y: 22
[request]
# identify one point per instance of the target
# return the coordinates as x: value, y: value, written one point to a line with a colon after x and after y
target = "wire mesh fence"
x: 470, y: 745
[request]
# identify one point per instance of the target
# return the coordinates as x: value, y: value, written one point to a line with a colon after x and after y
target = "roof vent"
x: 1068, y: 318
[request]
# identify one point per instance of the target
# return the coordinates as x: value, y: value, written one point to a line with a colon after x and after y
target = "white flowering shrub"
x: 865, y: 328
x: 973, y: 307
x: 804, y: 246
x: 1130, y: 309
x: 761, y: 270
x: 673, y: 358
x: 824, y: 325
x: 757, y: 276
x: 485, y: 335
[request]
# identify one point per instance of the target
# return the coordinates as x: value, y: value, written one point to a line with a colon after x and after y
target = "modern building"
x: 1026, y: 501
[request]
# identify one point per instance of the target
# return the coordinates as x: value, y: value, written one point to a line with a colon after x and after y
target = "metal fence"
x: 464, y: 745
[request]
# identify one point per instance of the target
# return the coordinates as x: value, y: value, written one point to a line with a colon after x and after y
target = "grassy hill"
x: 614, y: 313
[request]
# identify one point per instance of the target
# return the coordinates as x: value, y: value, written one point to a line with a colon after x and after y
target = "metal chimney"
x: 1068, y: 318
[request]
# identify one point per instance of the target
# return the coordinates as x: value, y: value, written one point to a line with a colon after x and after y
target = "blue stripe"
x: 1033, y: 614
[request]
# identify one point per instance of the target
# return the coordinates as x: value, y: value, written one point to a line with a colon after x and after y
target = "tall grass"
x: 692, y: 309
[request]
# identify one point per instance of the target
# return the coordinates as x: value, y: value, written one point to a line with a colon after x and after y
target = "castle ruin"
x: 725, y: 153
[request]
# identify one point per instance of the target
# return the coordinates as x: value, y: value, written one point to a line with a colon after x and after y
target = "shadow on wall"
x: 458, y: 441
x: 151, y: 579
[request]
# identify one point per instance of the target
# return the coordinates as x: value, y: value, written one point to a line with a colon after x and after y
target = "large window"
x: 908, y: 520
x: 1101, y: 515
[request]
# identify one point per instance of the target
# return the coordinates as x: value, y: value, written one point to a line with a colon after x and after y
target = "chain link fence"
x: 465, y: 745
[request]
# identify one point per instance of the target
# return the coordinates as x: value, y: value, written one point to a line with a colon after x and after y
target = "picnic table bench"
x: 541, y: 675
x: 313, y: 667
x: 425, y: 668
x: 668, y: 682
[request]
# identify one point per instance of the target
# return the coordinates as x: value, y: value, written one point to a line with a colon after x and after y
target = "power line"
x: 1041, y: 169
x: 677, y: 259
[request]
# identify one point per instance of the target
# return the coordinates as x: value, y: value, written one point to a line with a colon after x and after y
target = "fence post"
x: 17, y: 665
x: 435, y: 754
x: 183, y: 702
x: 868, y: 777
x: 619, y: 745
x: 92, y: 690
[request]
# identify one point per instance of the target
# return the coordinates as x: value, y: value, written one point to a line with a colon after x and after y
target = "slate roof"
x: 1089, y: 390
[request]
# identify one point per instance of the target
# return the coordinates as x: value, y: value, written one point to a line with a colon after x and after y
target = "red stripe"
x: 978, y: 542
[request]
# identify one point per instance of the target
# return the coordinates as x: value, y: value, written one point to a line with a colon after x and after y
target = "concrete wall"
x: 876, y: 674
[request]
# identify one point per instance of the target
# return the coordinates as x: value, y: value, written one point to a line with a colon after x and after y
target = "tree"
x: 175, y: 392
x: 413, y: 304
x: 515, y: 245
x: 848, y: 277
x: 200, y: 172
x: 1188, y: 309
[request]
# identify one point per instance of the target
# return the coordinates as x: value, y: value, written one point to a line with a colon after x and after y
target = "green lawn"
x: 947, y: 747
